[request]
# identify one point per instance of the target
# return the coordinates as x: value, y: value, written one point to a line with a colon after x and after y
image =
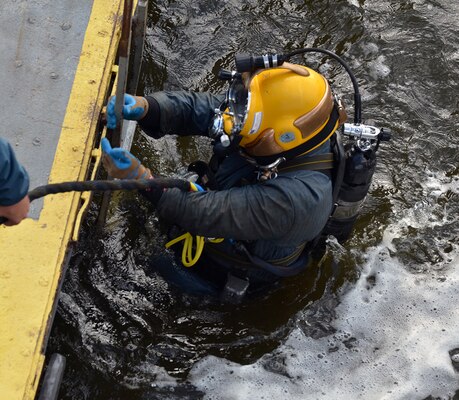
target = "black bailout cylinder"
x: 358, y: 173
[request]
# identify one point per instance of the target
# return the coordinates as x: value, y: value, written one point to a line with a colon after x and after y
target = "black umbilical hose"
x: 357, y: 97
x: 105, y: 186
x: 248, y: 63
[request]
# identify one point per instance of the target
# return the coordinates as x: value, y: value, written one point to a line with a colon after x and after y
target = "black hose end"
x: 248, y: 63
x: 244, y: 63
x: 225, y: 75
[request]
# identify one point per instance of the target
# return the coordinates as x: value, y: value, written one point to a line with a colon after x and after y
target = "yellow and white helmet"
x: 279, y: 109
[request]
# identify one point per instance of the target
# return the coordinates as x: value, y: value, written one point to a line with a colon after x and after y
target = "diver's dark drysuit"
x: 272, y: 220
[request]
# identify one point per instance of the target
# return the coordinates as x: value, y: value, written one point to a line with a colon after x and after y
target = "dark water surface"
x: 386, y: 301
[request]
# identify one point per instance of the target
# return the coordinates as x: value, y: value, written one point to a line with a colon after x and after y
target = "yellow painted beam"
x: 33, y: 253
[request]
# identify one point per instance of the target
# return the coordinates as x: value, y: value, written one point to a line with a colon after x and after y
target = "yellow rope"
x: 188, y: 260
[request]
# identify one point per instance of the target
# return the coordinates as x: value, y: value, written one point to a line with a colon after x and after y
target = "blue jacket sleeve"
x: 14, y: 180
x: 181, y: 113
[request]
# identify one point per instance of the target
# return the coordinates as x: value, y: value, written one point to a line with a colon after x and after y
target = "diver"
x: 267, y: 191
x: 14, y: 184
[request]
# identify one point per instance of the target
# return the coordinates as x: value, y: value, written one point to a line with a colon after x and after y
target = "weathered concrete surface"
x: 40, y: 45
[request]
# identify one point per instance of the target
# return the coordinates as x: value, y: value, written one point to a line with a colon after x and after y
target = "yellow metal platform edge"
x: 31, y: 267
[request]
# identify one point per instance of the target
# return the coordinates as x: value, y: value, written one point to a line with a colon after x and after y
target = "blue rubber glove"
x: 134, y: 108
x: 121, y: 164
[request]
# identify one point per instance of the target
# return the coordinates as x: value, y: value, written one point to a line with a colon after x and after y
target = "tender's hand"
x: 15, y: 213
x: 134, y: 108
x: 121, y: 164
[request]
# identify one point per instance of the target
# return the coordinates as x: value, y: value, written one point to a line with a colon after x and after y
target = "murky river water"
x: 377, y: 319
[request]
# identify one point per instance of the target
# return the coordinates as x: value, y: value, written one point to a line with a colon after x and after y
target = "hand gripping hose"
x: 188, y: 259
x: 105, y: 186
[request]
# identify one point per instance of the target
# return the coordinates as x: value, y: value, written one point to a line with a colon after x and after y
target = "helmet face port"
x: 238, y: 103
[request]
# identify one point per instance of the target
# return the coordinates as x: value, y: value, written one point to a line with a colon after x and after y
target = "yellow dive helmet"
x: 279, y: 109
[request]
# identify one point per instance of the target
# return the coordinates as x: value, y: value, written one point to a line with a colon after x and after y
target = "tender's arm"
x: 14, y: 184
x: 14, y: 180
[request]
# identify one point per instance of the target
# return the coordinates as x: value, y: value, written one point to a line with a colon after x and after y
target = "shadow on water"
x: 125, y: 331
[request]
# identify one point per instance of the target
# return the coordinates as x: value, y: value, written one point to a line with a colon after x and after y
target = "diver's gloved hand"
x: 134, y: 108
x: 121, y: 164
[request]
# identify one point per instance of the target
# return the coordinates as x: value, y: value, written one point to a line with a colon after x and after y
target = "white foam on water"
x: 402, y: 330
x: 394, y: 333
x: 378, y: 68
x: 354, y: 3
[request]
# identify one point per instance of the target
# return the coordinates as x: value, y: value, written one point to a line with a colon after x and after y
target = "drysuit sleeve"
x: 181, y: 113
x: 278, y: 210
x: 14, y: 180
